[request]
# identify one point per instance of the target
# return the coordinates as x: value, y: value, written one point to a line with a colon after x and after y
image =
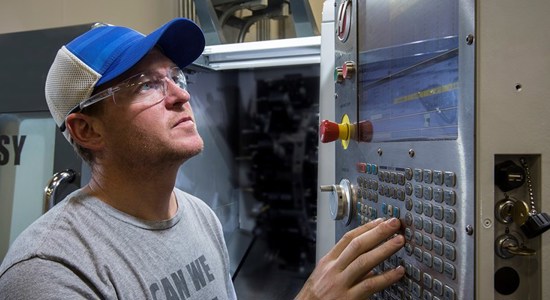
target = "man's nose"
x: 176, y: 95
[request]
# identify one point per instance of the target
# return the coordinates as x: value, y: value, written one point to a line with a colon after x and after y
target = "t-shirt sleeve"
x: 38, y: 278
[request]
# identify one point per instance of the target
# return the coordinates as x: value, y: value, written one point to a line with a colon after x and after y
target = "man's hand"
x: 345, y: 272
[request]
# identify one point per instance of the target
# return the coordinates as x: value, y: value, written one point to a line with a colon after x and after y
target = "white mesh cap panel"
x: 68, y: 83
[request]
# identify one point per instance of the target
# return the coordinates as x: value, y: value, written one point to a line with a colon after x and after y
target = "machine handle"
x: 58, y: 178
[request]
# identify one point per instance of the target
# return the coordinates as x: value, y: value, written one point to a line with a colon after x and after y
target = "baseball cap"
x: 105, y: 52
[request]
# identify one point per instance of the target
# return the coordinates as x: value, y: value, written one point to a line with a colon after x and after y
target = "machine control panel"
x: 433, y: 132
x: 402, y: 155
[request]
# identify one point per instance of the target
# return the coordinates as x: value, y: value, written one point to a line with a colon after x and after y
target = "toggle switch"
x: 338, y: 75
x: 348, y: 69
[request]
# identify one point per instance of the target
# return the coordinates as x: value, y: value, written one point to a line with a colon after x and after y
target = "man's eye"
x: 149, y: 85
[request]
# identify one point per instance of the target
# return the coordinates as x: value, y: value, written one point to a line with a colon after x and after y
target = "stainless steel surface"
x: 50, y: 191
x: 326, y: 173
x: 498, y: 120
x: 381, y: 43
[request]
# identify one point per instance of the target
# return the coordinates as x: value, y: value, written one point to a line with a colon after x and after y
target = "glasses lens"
x: 149, y: 86
x: 179, y: 78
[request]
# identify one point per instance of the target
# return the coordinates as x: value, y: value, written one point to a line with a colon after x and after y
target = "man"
x: 120, y: 98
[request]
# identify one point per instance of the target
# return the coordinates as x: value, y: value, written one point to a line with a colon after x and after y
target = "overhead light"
x: 284, y: 52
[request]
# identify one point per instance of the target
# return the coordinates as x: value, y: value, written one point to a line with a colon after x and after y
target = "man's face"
x: 151, y: 133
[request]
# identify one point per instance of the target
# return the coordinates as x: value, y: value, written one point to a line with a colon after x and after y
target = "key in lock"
x: 509, y: 245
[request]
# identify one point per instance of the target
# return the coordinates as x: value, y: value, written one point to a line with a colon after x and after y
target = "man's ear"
x: 85, y: 130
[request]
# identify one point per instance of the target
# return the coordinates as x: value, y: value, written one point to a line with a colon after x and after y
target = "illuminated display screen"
x: 408, y: 71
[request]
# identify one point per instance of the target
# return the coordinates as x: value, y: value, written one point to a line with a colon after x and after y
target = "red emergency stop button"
x: 331, y: 131
x: 328, y: 131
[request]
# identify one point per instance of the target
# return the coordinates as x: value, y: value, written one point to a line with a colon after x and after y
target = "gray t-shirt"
x: 86, y: 249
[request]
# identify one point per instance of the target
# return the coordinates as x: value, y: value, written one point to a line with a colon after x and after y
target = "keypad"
x: 426, y: 201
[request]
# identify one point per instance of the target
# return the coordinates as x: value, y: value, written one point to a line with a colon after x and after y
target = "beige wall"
x: 143, y: 15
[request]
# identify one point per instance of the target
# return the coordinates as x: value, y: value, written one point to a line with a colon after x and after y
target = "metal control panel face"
x: 408, y: 152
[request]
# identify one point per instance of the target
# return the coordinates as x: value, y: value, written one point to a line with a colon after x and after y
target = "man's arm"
x: 38, y: 278
x: 345, y: 272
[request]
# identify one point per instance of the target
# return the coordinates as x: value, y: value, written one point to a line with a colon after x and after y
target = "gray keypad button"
x: 450, y: 215
x: 449, y: 270
x: 408, y: 249
x: 374, y: 197
x: 393, y: 177
x: 393, y: 192
x: 418, y: 206
x: 438, y: 212
x: 418, y: 177
x: 374, y: 185
x: 418, y: 238
x: 427, y: 242
x: 427, y: 280
x: 401, y: 194
x: 418, y: 255
x: 450, y: 197
x: 416, y: 290
x: 438, y: 287
x: 450, y: 233
x: 418, y: 222
x: 408, y: 234
x: 418, y: 191
x: 427, y: 191
x: 438, y: 229
x: 408, y: 204
x: 438, y: 177
x: 428, y: 226
x: 448, y: 293
x: 408, y: 173
x: 427, y: 259
x: 408, y: 219
x: 401, y: 178
x: 427, y: 175
x: 428, y: 210
x: 438, y: 264
x: 416, y: 273
x: 408, y: 188
x: 450, y: 252
x: 450, y: 179
x: 438, y: 247
x: 396, y: 212
x: 438, y: 195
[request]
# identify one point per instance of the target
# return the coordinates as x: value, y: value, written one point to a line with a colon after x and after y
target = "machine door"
x: 31, y: 147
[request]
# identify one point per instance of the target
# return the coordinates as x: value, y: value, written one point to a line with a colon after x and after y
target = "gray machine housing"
x: 501, y: 62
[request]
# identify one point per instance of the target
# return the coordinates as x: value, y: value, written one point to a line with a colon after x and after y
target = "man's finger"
x: 367, y: 261
x: 368, y: 240
x: 337, y: 250
x: 373, y: 284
